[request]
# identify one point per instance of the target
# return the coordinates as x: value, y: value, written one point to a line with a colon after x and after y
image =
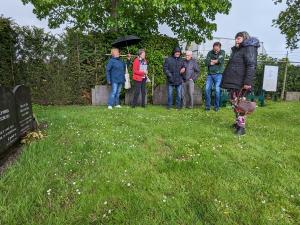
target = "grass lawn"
x: 153, y: 166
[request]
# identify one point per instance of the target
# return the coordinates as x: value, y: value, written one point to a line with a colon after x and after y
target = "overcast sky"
x: 254, y: 16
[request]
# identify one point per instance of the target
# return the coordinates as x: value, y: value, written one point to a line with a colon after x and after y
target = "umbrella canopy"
x: 126, y: 41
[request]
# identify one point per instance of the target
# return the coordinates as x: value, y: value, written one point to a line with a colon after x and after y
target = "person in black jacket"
x: 174, y: 68
x: 239, y: 73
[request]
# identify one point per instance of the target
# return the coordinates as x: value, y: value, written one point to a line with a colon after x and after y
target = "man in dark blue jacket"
x: 174, y: 68
x: 115, y: 76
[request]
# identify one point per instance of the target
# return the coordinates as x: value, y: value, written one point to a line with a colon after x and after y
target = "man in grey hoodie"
x: 189, y: 77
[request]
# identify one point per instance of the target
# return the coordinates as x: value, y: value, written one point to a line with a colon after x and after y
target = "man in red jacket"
x: 140, y: 72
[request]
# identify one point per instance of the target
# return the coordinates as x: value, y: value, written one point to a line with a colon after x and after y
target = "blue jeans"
x: 210, y: 80
x: 114, y: 96
x: 178, y: 95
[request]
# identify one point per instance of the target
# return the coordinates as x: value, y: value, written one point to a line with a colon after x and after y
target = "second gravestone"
x: 23, y: 108
x: 9, y: 127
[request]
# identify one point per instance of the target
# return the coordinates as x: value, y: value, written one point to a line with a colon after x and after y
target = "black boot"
x: 234, y: 125
x: 240, y: 131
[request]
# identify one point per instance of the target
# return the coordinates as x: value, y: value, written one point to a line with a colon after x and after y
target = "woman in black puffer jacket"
x: 240, y: 71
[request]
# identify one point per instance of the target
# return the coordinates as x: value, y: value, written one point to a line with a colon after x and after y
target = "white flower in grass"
x: 128, y: 184
x: 74, y: 183
x: 104, y: 215
x: 109, y: 211
x: 105, y: 203
x: 263, y: 201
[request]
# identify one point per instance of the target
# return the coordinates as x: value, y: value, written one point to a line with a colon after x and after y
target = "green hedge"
x: 62, y: 69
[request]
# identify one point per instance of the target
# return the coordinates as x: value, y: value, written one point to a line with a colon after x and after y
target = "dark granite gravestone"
x: 9, y: 127
x: 129, y: 97
x: 24, y: 109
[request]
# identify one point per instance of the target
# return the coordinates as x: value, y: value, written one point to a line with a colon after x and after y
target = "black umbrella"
x: 126, y: 41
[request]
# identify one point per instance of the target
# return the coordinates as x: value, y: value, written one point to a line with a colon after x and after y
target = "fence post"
x: 285, y: 75
x: 152, y: 88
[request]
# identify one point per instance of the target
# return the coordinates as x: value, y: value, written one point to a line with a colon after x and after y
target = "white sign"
x: 270, y: 78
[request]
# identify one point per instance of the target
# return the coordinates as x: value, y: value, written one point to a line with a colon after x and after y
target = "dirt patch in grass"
x: 9, y: 157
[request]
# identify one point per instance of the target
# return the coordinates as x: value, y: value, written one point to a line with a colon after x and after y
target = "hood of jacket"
x: 176, y: 49
x: 252, y: 41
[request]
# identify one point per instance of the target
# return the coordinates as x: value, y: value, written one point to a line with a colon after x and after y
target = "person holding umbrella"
x: 116, y: 68
x: 115, y: 75
x: 140, y: 71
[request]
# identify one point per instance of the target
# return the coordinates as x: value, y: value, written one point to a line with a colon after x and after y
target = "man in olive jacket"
x: 239, y: 74
x: 215, y: 66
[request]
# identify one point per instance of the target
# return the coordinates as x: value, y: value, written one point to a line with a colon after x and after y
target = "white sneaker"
x: 118, y: 106
x: 109, y: 107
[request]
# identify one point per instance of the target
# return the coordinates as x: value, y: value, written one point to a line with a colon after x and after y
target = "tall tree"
x: 288, y: 22
x: 191, y: 20
x: 8, y: 42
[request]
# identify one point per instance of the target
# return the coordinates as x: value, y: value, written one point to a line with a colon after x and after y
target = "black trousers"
x: 140, y: 86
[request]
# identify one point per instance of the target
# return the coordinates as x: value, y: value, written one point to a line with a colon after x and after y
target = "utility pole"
x: 285, y: 75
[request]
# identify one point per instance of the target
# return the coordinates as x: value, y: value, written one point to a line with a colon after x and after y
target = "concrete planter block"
x: 160, y: 95
x: 129, y: 97
x: 100, y: 94
x: 292, y: 96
